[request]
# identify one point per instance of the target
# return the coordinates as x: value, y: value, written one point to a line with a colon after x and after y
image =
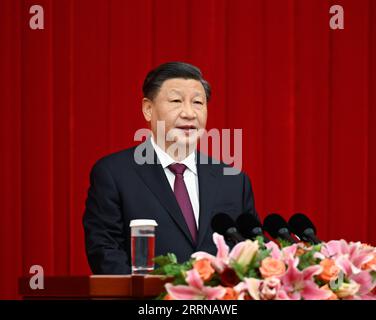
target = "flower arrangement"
x: 254, y: 270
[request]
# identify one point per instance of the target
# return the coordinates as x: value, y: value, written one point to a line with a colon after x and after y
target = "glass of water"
x: 142, y: 245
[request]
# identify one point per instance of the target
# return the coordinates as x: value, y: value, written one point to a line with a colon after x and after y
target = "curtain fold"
x: 303, y: 94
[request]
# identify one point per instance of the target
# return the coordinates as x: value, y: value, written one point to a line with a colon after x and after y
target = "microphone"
x: 277, y: 227
x: 223, y: 224
x: 303, y: 227
x: 250, y: 227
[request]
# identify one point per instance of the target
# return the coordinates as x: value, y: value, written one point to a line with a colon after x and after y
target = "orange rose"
x: 330, y: 270
x: 230, y: 294
x: 272, y: 267
x: 204, y: 268
x: 333, y: 296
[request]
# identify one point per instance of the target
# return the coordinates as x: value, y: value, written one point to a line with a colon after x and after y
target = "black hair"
x: 171, y: 70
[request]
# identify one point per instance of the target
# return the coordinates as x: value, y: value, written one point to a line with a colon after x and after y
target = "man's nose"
x: 188, y: 111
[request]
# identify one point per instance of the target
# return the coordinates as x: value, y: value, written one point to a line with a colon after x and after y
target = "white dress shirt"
x: 190, y: 175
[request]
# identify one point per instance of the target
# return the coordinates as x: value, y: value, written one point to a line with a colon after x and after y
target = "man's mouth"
x: 187, y: 129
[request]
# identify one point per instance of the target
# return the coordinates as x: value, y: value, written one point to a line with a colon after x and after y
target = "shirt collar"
x: 165, y: 159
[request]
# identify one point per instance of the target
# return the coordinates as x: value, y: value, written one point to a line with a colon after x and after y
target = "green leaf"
x: 239, y: 269
x: 164, y: 260
x: 373, y: 275
x: 307, y: 259
x: 173, y: 269
x: 319, y: 282
x: 262, y: 254
x: 317, y: 247
x: 214, y: 281
x: 253, y: 273
x: 252, y: 269
x: 261, y: 242
x: 161, y: 296
x: 169, y: 266
x: 284, y: 243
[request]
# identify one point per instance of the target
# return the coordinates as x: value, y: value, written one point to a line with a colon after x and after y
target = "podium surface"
x: 95, y: 287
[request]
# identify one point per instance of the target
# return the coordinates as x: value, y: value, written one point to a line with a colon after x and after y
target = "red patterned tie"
x: 182, y: 196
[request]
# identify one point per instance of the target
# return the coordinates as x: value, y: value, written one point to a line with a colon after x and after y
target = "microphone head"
x: 299, y: 223
x: 246, y: 222
x: 221, y: 222
x: 273, y: 223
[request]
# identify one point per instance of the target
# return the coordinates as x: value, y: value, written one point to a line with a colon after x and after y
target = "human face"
x: 181, y: 104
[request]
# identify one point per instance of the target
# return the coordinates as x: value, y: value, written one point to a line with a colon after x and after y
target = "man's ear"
x: 147, y: 109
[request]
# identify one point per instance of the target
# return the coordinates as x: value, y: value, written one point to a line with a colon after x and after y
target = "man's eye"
x: 176, y: 100
x: 198, y: 102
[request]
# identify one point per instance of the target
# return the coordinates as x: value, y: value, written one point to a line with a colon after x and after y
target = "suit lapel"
x: 207, y: 191
x: 154, y: 177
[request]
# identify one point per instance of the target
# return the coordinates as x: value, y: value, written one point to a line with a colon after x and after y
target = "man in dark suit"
x: 165, y: 178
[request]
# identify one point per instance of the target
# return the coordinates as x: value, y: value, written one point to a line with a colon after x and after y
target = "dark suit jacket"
x: 122, y: 190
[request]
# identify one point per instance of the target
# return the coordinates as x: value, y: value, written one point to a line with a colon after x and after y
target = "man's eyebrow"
x: 175, y: 91
x: 198, y: 93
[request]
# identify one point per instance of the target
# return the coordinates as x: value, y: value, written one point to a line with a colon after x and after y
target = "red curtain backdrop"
x: 303, y: 94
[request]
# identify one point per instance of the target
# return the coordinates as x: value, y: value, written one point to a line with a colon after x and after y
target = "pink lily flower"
x: 368, y: 297
x: 285, y: 254
x: 250, y: 286
x: 242, y: 252
x: 297, y: 285
x: 221, y: 260
x: 350, y: 257
x: 354, y: 252
x: 364, y: 279
x: 195, y: 290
